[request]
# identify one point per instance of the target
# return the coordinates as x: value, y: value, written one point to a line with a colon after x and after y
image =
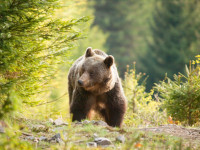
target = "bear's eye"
x: 106, y: 80
x: 91, y: 74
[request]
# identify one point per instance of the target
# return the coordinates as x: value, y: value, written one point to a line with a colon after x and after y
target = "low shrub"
x: 181, y: 97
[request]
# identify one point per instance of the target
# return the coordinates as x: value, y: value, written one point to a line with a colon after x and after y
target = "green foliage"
x: 142, y: 109
x: 181, y: 97
x: 175, y: 42
x: 32, y: 42
x: 10, y: 140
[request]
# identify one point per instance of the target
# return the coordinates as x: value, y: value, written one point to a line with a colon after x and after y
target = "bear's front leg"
x: 78, y: 107
x: 115, y: 107
x: 115, y: 113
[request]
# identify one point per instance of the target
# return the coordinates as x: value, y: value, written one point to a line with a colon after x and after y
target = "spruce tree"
x: 32, y: 42
x: 174, y: 32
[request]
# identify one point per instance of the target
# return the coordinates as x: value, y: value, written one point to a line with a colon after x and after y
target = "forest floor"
x: 57, y: 134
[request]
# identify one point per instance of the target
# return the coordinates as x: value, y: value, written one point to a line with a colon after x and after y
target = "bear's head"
x: 97, y: 73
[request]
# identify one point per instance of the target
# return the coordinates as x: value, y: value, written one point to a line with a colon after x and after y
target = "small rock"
x: 43, y: 138
x: 100, y: 123
x: 56, y: 138
x: 86, y: 122
x: 59, y: 122
x: 95, y: 135
x: 51, y: 120
x: 120, y: 138
x: 30, y: 138
x: 36, y: 140
x: 101, y: 141
x: 91, y: 144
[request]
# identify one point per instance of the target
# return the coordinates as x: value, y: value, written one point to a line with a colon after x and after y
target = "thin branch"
x: 52, y: 100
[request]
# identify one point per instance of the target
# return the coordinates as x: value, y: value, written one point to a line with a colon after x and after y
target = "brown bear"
x: 94, y: 86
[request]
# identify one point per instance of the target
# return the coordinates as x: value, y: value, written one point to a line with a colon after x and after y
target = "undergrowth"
x: 143, y: 110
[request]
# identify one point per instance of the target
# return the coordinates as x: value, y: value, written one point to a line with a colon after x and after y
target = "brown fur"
x: 94, y: 85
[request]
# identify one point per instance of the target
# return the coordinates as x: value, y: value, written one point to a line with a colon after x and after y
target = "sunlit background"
x: 149, y: 39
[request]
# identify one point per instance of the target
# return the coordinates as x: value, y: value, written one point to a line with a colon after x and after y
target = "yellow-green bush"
x: 142, y: 109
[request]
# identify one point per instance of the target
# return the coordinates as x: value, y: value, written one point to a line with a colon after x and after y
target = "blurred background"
x: 39, y: 41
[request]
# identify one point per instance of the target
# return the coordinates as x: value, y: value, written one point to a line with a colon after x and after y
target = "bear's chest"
x: 101, y: 101
x: 98, y: 102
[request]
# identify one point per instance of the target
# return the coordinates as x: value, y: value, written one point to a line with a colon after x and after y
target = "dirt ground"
x: 176, y: 130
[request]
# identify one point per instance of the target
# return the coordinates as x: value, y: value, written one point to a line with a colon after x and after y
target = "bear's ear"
x: 89, y: 52
x: 109, y: 60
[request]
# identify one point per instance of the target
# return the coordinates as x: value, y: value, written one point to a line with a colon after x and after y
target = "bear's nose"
x: 80, y: 82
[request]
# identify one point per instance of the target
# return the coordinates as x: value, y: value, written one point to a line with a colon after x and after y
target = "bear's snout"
x: 83, y: 80
x: 80, y: 82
